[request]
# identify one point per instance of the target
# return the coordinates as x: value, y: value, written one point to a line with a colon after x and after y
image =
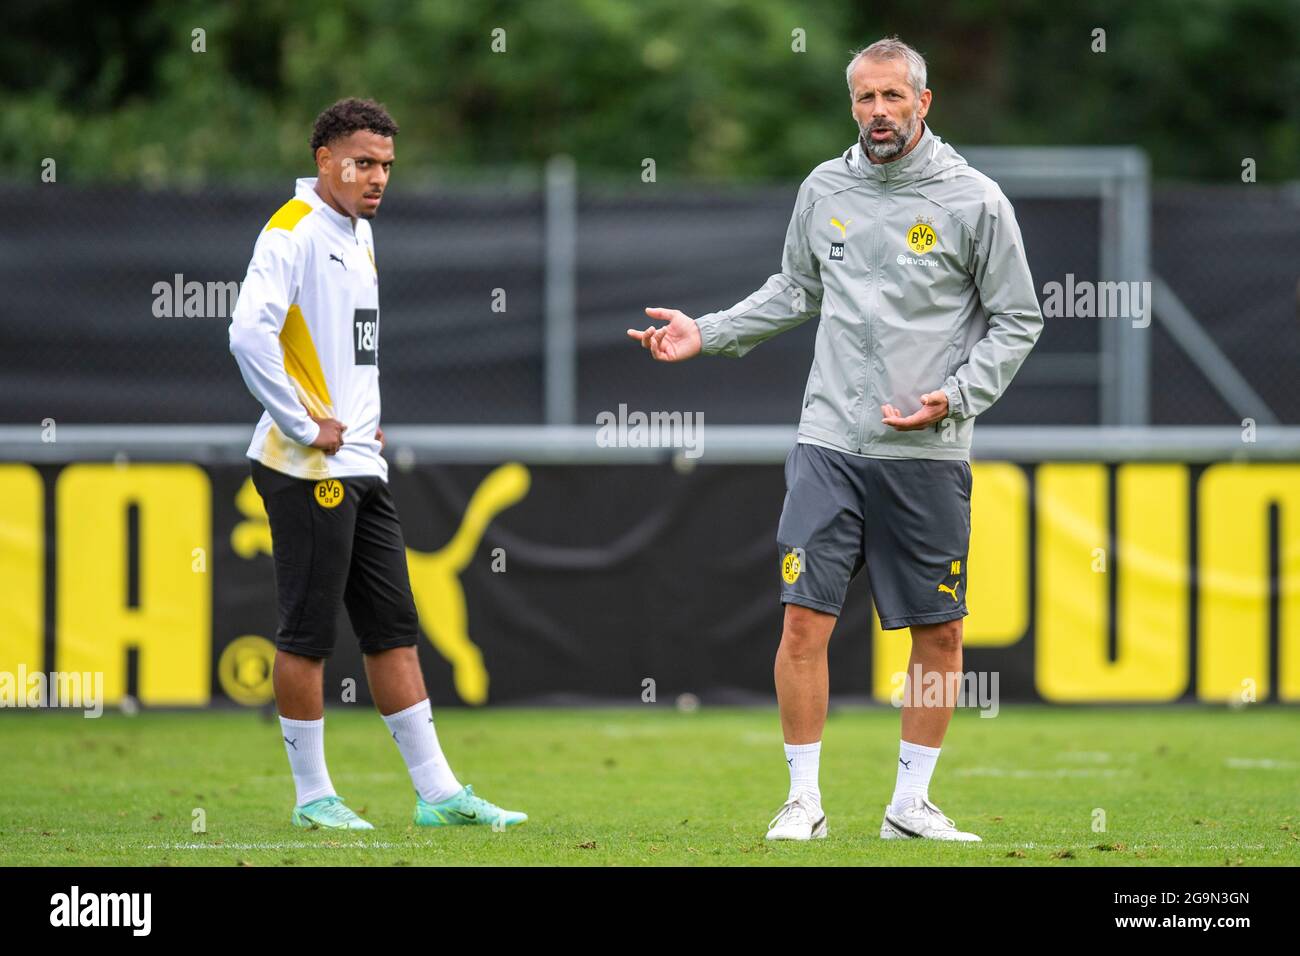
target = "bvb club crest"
x: 792, y: 565
x: 921, y: 237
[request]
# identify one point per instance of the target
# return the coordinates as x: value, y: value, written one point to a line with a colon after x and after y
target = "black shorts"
x: 906, y: 519
x: 336, y: 542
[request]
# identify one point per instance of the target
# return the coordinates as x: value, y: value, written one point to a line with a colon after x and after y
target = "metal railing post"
x: 560, y: 364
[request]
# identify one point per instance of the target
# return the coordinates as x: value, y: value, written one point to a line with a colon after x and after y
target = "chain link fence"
x: 463, y: 302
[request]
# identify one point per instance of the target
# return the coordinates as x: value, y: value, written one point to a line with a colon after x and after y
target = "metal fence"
x: 508, y: 306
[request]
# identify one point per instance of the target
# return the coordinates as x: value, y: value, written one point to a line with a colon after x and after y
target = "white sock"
x: 413, y: 731
x: 915, y: 767
x: 304, y: 741
x: 803, y: 760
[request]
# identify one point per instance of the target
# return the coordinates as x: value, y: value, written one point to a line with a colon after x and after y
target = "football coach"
x: 914, y: 263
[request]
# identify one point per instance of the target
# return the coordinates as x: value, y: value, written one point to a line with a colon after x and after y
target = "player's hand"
x: 330, y: 438
x: 379, y: 434
x: 934, y: 406
x: 675, y: 342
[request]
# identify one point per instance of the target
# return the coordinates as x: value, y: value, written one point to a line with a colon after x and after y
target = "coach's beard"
x: 890, y: 148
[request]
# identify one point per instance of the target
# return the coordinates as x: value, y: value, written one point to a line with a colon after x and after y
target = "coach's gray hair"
x: 891, y: 48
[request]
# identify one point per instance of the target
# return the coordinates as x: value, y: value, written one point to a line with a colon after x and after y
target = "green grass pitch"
x: 649, y: 785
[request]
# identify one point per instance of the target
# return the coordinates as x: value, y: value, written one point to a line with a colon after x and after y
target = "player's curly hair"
x: 347, y: 116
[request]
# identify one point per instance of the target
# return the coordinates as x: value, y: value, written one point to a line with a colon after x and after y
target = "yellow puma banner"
x: 1111, y: 614
x: 1086, y: 583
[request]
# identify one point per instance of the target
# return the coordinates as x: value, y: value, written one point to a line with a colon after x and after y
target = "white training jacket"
x: 305, y: 332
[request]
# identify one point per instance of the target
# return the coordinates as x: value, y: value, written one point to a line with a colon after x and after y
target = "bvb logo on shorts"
x: 921, y: 238
x: 792, y: 565
x: 329, y: 493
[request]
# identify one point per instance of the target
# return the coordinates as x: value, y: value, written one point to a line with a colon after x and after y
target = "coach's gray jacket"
x: 918, y: 271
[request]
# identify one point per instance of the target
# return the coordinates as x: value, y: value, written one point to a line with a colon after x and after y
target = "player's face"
x: 886, y: 108
x: 356, y: 169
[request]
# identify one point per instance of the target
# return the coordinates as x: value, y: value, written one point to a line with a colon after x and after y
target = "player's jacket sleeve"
x: 787, y: 299
x: 274, y: 277
x: 1006, y: 291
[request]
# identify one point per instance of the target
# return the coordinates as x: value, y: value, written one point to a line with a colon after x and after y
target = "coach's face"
x: 354, y: 168
x: 887, y: 110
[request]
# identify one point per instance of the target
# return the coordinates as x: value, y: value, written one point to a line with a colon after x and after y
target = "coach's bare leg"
x: 802, y: 677
x: 936, y: 647
x: 299, y: 686
x: 396, y: 681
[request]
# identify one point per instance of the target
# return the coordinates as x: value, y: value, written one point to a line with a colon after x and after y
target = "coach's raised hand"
x: 330, y: 437
x: 674, y: 342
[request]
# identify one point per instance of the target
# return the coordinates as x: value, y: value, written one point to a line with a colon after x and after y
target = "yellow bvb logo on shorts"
x: 329, y: 493
x: 791, y: 565
x: 921, y: 238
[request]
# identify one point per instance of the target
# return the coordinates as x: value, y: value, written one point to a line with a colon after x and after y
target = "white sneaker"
x: 921, y: 819
x: 800, y: 819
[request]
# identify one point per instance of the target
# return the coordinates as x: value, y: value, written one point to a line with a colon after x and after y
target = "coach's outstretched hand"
x: 675, y: 342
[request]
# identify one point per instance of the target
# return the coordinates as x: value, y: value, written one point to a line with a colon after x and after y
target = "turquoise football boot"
x: 465, y: 809
x: 328, y: 813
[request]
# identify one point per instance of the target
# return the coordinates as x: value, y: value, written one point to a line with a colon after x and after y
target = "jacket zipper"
x: 875, y: 305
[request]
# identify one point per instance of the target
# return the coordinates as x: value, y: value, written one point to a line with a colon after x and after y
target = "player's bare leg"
x: 300, y: 698
x: 299, y: 686
x: 397, y: 687
x: 802, y: 691
x: 396, y: 681
x: 937, y: 650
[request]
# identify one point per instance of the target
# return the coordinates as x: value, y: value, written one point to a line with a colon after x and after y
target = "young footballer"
x: 305, y: 332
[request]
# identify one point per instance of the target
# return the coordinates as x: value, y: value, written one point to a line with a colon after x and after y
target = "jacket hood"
x: 930, y: 157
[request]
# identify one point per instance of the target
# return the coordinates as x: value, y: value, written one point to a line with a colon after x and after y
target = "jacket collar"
x: 910, y: 166
x: 305, y: 189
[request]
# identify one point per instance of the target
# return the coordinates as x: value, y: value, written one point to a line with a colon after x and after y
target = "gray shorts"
x: 906, y: 519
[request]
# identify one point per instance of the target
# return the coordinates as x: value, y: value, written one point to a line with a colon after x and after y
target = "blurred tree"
x: 709, y: 88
